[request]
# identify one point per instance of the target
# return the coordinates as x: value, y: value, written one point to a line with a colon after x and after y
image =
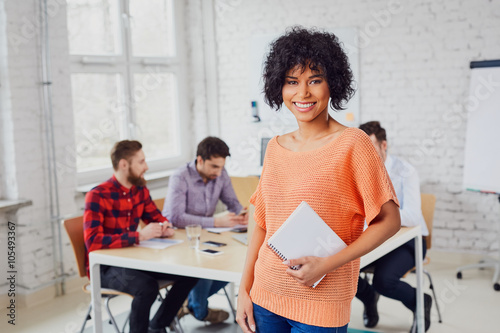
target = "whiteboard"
x: 482, y: 146
x: 259, y: 48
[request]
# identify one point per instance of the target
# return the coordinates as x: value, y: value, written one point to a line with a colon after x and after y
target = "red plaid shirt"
x: 112, y: 215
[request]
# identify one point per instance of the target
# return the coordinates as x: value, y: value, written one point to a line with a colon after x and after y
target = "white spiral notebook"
x: 303, y: 234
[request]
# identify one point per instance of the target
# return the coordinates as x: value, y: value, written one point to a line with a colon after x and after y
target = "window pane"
x: 93, y: 27
x: 98, y: 117
x: 156, y: 114
x: 152, y: 28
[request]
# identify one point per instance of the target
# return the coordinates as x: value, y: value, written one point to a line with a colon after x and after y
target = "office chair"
x: 159, y: 203
x: 74, y: 229
x: 244, y: 187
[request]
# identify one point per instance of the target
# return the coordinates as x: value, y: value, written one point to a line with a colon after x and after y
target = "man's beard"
x: 210, y: 177
x: 134, y: 179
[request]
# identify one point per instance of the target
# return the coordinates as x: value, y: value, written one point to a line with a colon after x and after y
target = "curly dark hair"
x: 301, y: 47
x: 212, y: 147
x: 373, y: 127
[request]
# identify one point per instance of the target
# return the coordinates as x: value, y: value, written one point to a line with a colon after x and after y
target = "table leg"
x: 232, y: 293
x: 420, y: 293
x: 95, y: 284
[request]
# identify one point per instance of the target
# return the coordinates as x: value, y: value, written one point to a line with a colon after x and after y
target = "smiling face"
x: 306, y: 93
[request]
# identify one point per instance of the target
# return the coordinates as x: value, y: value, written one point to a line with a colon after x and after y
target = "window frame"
x: 127, y: 65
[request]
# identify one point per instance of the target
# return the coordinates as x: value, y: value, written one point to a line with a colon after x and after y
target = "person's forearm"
x: 97, y: 240
x: 94, y: 236
x: 247, y: 278
x: 236, y: 207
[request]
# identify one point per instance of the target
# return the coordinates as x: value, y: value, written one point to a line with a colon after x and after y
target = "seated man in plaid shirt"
x: 113, y: 210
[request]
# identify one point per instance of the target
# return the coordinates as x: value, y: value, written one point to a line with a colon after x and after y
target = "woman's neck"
x: 317, y: 129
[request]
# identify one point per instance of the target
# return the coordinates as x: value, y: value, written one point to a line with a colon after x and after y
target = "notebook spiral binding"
x: 282, y: 257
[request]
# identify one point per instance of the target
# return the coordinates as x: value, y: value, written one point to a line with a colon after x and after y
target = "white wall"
x: 23, y: 134
x: 414, y: 58
x: 414, y: 79
x: 23, y: 138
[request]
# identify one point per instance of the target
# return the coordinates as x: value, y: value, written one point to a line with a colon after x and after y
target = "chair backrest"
x: 74, y: 228
x: 244, y: 187
x: 428, y: 206
x: 159, y: 203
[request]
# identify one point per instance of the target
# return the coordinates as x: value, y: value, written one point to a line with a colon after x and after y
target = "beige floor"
x: 467, y: 305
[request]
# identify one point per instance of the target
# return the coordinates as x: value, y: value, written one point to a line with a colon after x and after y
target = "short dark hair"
x: 124, y: 150
x: 373, y: 127
x: 212, y: 147
x: 321, y: 51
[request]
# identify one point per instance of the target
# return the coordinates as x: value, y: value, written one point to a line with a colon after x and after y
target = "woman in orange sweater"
x: 336, y: 170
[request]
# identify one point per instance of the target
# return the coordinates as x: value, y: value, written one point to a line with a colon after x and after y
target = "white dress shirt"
x: 404, y: 177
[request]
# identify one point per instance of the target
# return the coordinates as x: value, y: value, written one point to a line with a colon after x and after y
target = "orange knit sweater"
x: 345, y: 182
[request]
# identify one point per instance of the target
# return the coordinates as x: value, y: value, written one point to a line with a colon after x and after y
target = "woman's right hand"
x: 244, y: 312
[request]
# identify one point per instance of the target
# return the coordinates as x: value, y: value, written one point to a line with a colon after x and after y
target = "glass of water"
x: 193, y: 232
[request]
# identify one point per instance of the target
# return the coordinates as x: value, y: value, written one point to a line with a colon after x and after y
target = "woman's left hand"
x: 311, y: 269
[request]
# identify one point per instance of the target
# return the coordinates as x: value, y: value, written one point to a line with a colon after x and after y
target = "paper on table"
x: 159, y: 243
x: 219, y: 230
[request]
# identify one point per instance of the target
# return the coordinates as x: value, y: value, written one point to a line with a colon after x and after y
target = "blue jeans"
x: 266, y: 321
x: 198, y: 296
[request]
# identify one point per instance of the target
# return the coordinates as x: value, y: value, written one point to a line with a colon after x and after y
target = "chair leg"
x: 125, y: 323
x: 87, y: 317
x: 111, y: 318
x: 433, y: 294
x: 230, y: 303
x: 177, y: 325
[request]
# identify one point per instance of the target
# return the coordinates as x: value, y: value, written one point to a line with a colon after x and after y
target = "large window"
x: 127, y: 71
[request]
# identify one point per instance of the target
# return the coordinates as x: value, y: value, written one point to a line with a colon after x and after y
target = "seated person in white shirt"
x: 390, y: 268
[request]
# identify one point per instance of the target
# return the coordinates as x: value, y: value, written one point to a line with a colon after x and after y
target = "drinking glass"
x: 193, y: 232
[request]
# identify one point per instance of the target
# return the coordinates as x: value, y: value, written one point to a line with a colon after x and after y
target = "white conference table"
x: 178, y: 259
x: 182, y: 260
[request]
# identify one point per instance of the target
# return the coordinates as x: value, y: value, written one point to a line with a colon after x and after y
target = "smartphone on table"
x: 212, y: 243
x: 211, y: 252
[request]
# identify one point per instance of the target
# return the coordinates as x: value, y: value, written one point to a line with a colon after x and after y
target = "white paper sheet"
x: 159, y: 243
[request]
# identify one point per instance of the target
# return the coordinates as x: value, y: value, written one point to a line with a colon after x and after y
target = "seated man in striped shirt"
x: 192, y: 196
x: 113, y: 210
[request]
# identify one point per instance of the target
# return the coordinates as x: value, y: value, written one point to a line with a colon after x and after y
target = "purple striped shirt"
x: 190, y: 201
